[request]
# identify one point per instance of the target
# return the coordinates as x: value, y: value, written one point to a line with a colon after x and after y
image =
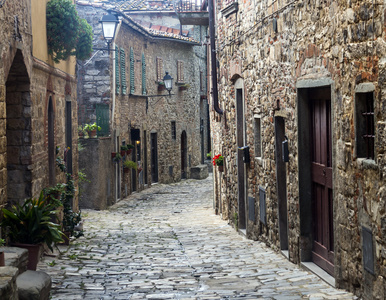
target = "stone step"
x: 8, y: 288
x: 199, y: 172
x: 33, y: 285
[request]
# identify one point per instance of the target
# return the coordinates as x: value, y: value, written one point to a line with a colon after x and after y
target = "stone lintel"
x: 310, y: 83
x: 365, y: 87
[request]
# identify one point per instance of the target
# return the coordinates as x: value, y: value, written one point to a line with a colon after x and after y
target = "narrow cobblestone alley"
x: 167, y: 243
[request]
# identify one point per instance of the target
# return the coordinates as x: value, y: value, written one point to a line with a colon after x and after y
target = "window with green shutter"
x: 132, y: 71
x: 117, y: 85
x: 143, y: 74
x: 123, y: 72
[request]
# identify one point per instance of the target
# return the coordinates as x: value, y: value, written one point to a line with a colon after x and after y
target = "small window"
x: 174, y: 135
x: 201, y: 81
x: 365, y: 129
x: 180, y: 71
x: 258, y: 137
x: 159, y: 69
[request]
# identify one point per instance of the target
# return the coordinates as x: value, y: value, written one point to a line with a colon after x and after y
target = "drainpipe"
x: 213, y: 57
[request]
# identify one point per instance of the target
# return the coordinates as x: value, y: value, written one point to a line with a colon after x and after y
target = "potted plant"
x: 218, y: 160
x: 2, y: 259
x: 92, y: 129
x: 124, y: 149
x: 161, y: 86
x: 129, y: 164
x: 117, y: 157
x: 80, y: 131
x: 130, y: 148
x: 209, y: 155
x: 183, y: 87
x: 29, y: 225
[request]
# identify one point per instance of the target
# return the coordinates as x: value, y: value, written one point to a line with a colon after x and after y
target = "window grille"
x: 365, y: 128
x: 174, y: 135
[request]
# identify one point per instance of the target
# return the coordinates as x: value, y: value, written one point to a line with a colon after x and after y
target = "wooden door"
x: 154, y: 157
x: 241, y: 183
x: 184, y: 154
x: 321, y: 170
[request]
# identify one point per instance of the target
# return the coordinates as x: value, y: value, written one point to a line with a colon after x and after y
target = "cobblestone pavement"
x: 166, y: 243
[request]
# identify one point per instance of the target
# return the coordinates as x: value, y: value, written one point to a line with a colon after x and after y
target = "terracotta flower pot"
x: 93, y: 133
x: 33, y: 254
x: 221, y: 168
x: 2, y: 259
x: 113, y: 154
x: 123, y: 152
x: 129, y: 151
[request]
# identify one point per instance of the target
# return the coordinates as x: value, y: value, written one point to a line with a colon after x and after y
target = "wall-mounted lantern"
x: 168, y: 80
x: 109, y: 27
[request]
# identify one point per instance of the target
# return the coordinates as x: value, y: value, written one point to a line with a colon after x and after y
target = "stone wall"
x: 26, y: 85
x: 277, y: 51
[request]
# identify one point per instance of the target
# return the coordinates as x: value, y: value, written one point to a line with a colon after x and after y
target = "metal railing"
x: 191, y: 5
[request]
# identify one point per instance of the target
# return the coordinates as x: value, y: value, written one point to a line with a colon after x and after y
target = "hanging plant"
x: 67, y: 34
x: 84, y: 45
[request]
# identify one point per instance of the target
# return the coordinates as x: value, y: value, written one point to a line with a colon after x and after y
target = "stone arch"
x: 18, y: 132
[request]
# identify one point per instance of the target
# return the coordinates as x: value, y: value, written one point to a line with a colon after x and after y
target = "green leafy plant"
x: 67, y: 34
x: 90, y: 127
x: 129, y: 164
x: 117, y: 157
x: 54, y: 193
x: 209, y: 155
x: 130, y: 146
x: 124, y: 148
x: 30, y: 223
x: 2, y: 242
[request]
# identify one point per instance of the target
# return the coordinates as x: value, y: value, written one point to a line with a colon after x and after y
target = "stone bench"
x: 199, y: 172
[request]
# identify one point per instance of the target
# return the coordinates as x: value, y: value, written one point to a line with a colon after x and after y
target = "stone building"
x: 167, y: 130
x: 301, y: 83
x: 38, y: 104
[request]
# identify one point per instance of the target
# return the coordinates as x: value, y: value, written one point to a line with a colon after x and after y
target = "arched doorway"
x: 184, y: 154
x: 18, y: 132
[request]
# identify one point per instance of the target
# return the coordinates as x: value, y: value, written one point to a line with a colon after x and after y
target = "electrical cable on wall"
x: 255, y: 25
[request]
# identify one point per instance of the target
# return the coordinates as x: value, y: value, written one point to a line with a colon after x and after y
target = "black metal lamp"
x: 168, y: 80
x: 109, y: 26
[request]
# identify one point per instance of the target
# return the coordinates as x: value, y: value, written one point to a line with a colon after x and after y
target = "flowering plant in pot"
x: 92, y: 129
x: 218, y: 160
x: 29, y: 225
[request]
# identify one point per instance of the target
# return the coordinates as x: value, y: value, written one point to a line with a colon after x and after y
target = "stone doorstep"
x: 34, y: 285
x: 199, y: 172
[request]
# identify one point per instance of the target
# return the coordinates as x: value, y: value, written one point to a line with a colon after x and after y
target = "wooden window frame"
x: 159, y: 69
x: 180, y: 71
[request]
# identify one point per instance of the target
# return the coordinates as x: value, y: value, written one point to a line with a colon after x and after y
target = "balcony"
x: 192, y: 12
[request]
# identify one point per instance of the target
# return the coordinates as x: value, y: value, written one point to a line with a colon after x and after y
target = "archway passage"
x: 18, y: 132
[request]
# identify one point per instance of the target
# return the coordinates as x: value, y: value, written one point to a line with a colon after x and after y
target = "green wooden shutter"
x: 132, y: 71
x: 123, y: 72
x: 117, y: 86
x: 143, y: 74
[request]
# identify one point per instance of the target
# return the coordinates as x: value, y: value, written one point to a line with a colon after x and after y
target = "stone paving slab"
x: 166, y: 243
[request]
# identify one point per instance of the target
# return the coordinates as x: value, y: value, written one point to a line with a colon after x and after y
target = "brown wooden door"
x: 321, y: 169
x: 154, y: 157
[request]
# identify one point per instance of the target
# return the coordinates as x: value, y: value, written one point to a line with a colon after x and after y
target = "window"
x: 117, y: 73
x: 365, y: 136
x: 174, y: 135
x: 123, y: 72
x: 132, y: 89
x: 143, y: 74
x: 201, y: 81
x: 257, y: 137
x: 159, y: 67
x: 180, y: 71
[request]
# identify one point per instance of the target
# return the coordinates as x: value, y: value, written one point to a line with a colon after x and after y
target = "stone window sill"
x: 367, y: 164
